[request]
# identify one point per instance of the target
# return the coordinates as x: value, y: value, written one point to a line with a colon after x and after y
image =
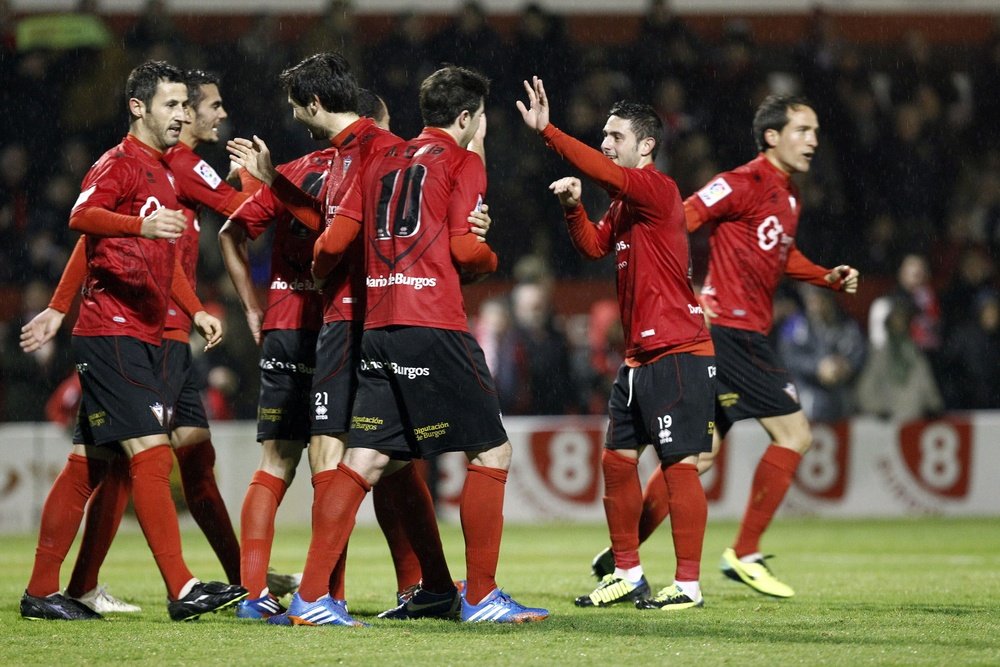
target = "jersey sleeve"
x: 72, y: 278
x: 470, y: 187
x: 256, y: 213
x: 800, y: 267
x: 591, y: 162
x: 105, y: 187
x: 720, y: 199
x: 199, y: 183
x: 592, y: 240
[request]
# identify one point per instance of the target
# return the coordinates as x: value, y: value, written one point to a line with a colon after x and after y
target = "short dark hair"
x: 326, y: 76
x: 371, y: 105
x: 772, y: 114
x: 448, y: 92
x: 195, y: 79
x: 142, y: 81
x: 643, y: 120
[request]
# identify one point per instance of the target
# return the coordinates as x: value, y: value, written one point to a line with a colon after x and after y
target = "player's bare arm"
x: 536, y: 113
x: 480, y: 221
x: 568, y: 190
x: 233, y: 245
x: 163, y: 223
x: 210, y: 328
x: 848, y: 275
x: 254, y: 156
x: 41, y: 329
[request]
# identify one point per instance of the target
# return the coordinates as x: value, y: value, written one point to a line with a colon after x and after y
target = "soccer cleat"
x: 498, y: 607
x: 424, y: 604
x: 324, y: 611
x: 407, y: 593
x: 103, y: 602
x: 259, y: 609
x: 204, y: 598
x: 613, y: 590
x: 671, y: 598
x: 755, y: 574
x: 55, y: 608
x: 280, y: 585
x: 603, y: 564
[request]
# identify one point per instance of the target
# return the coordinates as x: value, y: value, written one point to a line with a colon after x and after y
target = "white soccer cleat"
x: 280, y: 585
x: 103, y: 602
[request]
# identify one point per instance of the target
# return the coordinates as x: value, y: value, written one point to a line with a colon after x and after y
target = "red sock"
x: 104, y: 515
x: 197, y: 466
x: 688, y: 514
x: 154, y: 508
x: 390, y: 503
x: 337, y: 495
x: 257, y: 529
x: 770, y: 483
x: 481, y: 510
x: 336, y: 585
x: 410, y: 500
x: 655, y: 505
x: 61, y: 516
x: 622, y: 506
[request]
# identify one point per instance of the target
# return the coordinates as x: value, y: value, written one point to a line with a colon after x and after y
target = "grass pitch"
x: 901, y: 592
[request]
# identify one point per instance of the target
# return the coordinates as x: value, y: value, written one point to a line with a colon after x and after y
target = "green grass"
x: 901, y: 592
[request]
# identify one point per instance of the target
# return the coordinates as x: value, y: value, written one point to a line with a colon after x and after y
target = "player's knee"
x: 496, y: 457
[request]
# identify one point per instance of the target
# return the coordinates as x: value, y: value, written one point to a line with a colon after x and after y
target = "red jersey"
x: 754, y: 210
x: 412, y: 198
x: 128, y: 281
x: 198, y: 184
x: 355, y: 145
x: 292, y: 299
x: 645, y: 228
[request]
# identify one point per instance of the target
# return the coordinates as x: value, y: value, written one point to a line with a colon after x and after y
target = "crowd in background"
x: 905, y: 186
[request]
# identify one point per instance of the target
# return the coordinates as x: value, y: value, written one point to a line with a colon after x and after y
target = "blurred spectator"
x: 896, y: 381
x: 336, y: 30
x: 469, y: 40
x: 395, y: 67
x: 914, y: 285
x: 221, y: 389
x: 155, y: 25
x: 975, y: 274
x: 606, y: 355
x: 495, y: 334
x: 547, y: 383
x: 972, y: 357
x: 669, y: 49
x: 824, y: 350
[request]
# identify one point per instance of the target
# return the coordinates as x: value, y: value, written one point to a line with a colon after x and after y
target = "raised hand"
x: 254, y: 156
x: 536, y: 112
x: 568, y: 189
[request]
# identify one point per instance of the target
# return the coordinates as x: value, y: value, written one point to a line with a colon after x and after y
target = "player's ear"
x: 646, y: 146
x: 136, y: 108
x: 771, y: 137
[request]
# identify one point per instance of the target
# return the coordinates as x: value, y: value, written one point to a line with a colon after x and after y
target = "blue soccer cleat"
x: 259, y: 609
x: 324, y: 611
x: 498, y: 607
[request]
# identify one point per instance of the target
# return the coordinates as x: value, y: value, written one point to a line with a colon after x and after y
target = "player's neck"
x: 338, y: 122
x: 776, y: 163
x: 147, y: 139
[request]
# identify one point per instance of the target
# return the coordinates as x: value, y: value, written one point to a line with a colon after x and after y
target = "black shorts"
x: 669, y: 404
x: 751, y: 382
x: 123, y: 395
x: 287, y: 363
x: 422, y: 392
x: 186, y: 408
x: 336, y: 380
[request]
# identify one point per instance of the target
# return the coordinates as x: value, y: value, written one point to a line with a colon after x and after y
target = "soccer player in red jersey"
x: 423, y: 383
x: 197, y: 184
x: 664, y: 392
x: 754, y: 213
x: 129, y: 211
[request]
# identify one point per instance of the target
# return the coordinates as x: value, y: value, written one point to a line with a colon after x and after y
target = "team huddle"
x: 367, y: 361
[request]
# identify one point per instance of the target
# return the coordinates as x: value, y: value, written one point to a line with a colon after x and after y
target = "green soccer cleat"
x: 613, y: 590
x: 671, y: 598
x: 603, y: 564
x: 756, y: 575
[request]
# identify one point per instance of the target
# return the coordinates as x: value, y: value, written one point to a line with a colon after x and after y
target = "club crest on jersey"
x: 158, y: 411
x: 347, y: 164
x: 714, y: 192
x: 791, y: 391
x: 208, y: 174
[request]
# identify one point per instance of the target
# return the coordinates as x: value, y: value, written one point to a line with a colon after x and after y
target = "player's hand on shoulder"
x: 210, y: 327
x: 536, y: 112
x: 163, y: 223
x: 568, y: 189
x: 40, y: 329
x: 480, y: 221
x: 848, y: 276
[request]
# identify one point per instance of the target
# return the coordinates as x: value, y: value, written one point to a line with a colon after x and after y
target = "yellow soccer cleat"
x: 613, y: 590
x: 671, y: 598
x: 756, y: 575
